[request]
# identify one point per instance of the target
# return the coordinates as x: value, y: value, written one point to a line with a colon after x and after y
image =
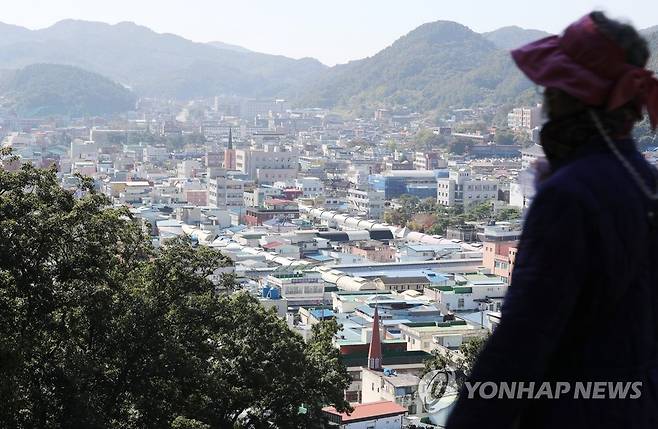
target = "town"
x: 403, y: 232
x: 344, y: 227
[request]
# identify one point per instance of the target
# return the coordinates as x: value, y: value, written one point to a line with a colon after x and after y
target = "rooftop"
x: 368, y: 411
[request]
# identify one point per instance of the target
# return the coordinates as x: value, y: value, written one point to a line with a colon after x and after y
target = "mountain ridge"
x: 437, y: 65
x: 513, y: 36
x: 161, y: 64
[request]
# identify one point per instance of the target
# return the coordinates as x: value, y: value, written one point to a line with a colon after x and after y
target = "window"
x: 460, y: 303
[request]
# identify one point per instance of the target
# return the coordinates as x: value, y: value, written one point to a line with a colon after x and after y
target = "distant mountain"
x: 40, y: 90
x: 649, y: 30
x: 154, y: 64
x: 435, y: 66
x: 230, y: 47
x: 513, y: 36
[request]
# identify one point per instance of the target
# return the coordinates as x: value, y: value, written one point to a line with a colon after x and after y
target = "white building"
x: 471, y: 290
x: 225, y: 192
x: 298, y: 287
x: 460, y: 188
x: 367, y: 203
x: 524, y: 118
x: 267, y: 166
x: 310, y: 186
x: 401, y: 388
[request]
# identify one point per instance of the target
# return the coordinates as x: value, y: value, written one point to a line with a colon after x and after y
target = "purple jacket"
x: 583, y: 302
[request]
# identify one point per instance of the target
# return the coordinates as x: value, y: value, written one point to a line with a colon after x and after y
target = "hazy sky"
x: 334, y: 31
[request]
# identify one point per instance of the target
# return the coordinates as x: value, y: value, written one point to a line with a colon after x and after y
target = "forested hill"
x: 40, y: 90
x: 437, y: 65
x: 155, y: 64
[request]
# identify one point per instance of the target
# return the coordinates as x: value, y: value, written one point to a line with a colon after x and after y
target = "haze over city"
x: 333, y: 32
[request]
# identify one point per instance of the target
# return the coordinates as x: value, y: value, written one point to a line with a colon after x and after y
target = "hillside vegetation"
x: 58, y: 90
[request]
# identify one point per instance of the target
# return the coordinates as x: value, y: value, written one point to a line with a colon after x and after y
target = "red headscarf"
x: 588, y: 65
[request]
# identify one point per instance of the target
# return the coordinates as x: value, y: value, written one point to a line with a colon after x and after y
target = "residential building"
x: 226, y: 192
x: 471, y: 291
x: 460, y: 188
x: 267, y: 166
x: 367, y: 203
x: 298, y: 287
x: 273, y: 208
x: 429, y: 161
x: 427, y: 336
x: 310, y: 186
x: 526, y: 118
x: 499, y: 258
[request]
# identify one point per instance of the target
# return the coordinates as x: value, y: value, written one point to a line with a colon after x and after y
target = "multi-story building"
x: 310, y: 186
x: 266, y: 166
x: 300, y: 287
x: 526, y: 118
x: 225, y: 192
x: 461, y: 189
x: 427, y: 336
x: 273, y: 208
x: 422, y: 184
x: 499, y: 257
x: 368, y: 203
x: 256, y: 197
x: 471, y: 291
x: 429, y: 161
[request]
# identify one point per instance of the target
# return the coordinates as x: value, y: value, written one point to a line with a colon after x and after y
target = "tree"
x: 505, y: 137
x: 426, y: 139
x: 508, y: 213
x: 461, y: 362
x: 98, y: 329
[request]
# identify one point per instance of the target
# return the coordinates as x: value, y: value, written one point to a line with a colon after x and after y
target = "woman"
x: 583, y: 303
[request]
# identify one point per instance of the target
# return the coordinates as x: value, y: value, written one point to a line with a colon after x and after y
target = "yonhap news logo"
x: 553, y: 390
x: 439, y: 388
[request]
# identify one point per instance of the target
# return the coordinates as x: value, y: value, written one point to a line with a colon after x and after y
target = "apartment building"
x: 526, y: 118
x: 366, y: 203
x: 225, y: 192
x: 463, y: 189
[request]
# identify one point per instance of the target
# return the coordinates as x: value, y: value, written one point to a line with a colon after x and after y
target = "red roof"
x: 368, y: 411
x: 272, y: 245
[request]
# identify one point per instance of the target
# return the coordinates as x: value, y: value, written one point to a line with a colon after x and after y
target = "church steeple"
x: 375, y: 351
x: 229, y: 153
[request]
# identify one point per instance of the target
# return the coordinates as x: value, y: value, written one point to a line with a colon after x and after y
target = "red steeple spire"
x: 375, y: 352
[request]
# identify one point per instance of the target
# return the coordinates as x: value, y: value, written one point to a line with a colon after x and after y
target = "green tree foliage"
x: 461, y: 362
x: 100, y: 330
x: 59, y: 90
x: 439, y: 65
x: 426, y: 140
x: 429, y: 217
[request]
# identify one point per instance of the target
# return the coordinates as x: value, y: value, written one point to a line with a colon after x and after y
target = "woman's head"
x: 560, y: 104
x: 597, y: 63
